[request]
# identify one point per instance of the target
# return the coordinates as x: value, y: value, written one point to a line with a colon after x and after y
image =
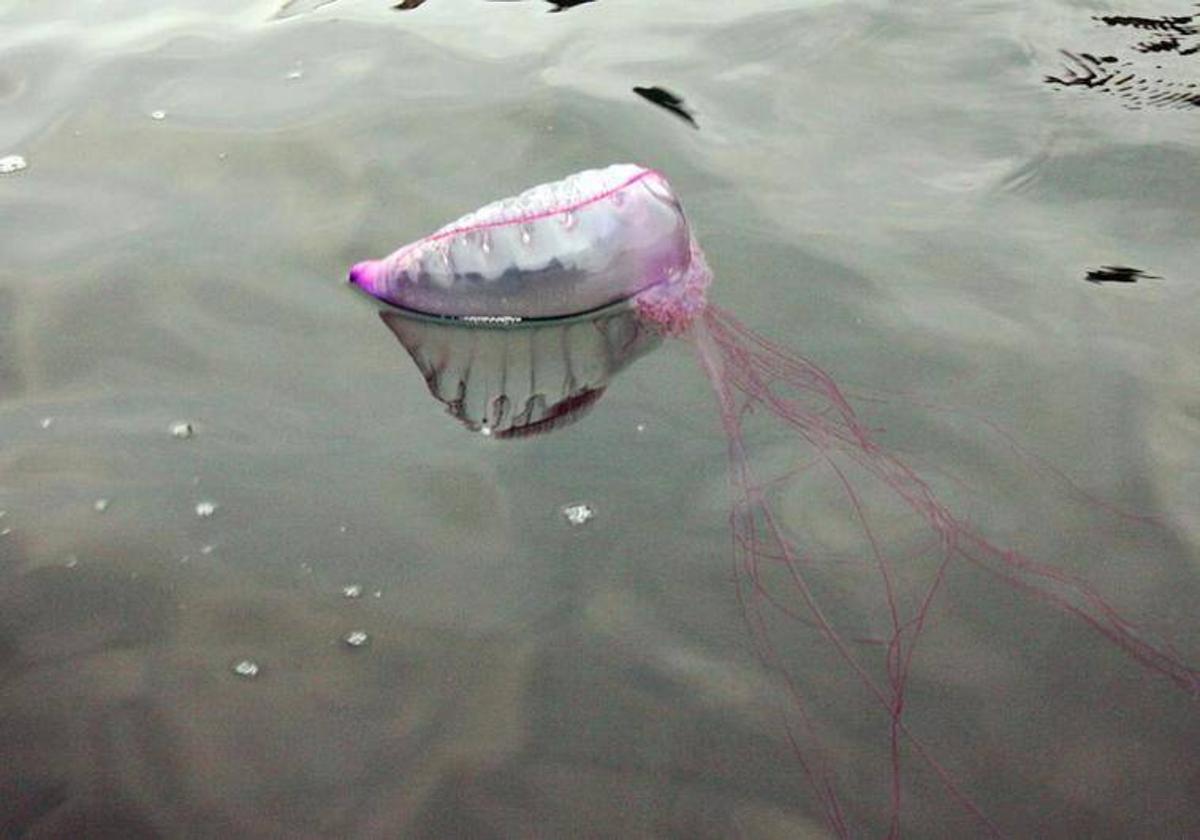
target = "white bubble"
x: 182, y: 430
x: 158, y: 115
x: 205, y: 509
x: 206, y: 550
x: 47, y: 422
x: 297, y: 72
x: 12, y: 163
x: 356, y: 638
x: 579, y: 513
x: 100, y: 505
x: 352, y: 591
x: 247, y: 668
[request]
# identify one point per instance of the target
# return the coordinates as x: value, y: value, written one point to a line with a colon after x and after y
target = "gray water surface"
x: 891, y: 189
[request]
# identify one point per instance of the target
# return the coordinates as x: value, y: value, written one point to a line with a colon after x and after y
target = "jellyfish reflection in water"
x: 519, y: 313
x: 516, y: 382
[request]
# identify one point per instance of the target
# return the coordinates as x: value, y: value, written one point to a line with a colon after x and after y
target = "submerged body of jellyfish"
x: 596, y: 269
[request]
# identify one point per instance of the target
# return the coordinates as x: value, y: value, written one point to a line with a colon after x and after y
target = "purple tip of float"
x: 364, y: 275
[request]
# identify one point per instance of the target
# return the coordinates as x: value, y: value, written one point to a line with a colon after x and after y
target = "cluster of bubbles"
x: 12, y: 163
x: 247, y: 668
x: 355, y: 639
x: 578, y: 513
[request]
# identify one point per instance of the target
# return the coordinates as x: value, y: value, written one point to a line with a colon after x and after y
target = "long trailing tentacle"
x: 751, y: 374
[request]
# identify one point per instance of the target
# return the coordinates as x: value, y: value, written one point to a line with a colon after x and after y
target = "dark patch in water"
x: 665, y: 99
x: 408, y: 4
x: 1132, y: 80
x: 1118, y: 274
x: 11, y: 380
x: 28, y: 803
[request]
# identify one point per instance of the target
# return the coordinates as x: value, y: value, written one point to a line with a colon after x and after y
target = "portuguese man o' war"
x: 520, y: 313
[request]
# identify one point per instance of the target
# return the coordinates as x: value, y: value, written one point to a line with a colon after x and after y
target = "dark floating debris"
x: 559, y: 5
x: 1179, y: 24
x: 563, y: 5
x: 1089, y: 71
x: 1135, y: 85
x: 665, y: 99
x: 1118, y: 274
x: 407, y: 5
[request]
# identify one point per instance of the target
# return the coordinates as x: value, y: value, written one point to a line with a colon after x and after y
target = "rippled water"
x: 209, y: 441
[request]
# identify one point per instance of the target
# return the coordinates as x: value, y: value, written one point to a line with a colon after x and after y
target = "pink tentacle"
x: 751, y: 374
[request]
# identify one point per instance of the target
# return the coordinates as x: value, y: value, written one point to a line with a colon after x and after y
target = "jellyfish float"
x: 520, y: 313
